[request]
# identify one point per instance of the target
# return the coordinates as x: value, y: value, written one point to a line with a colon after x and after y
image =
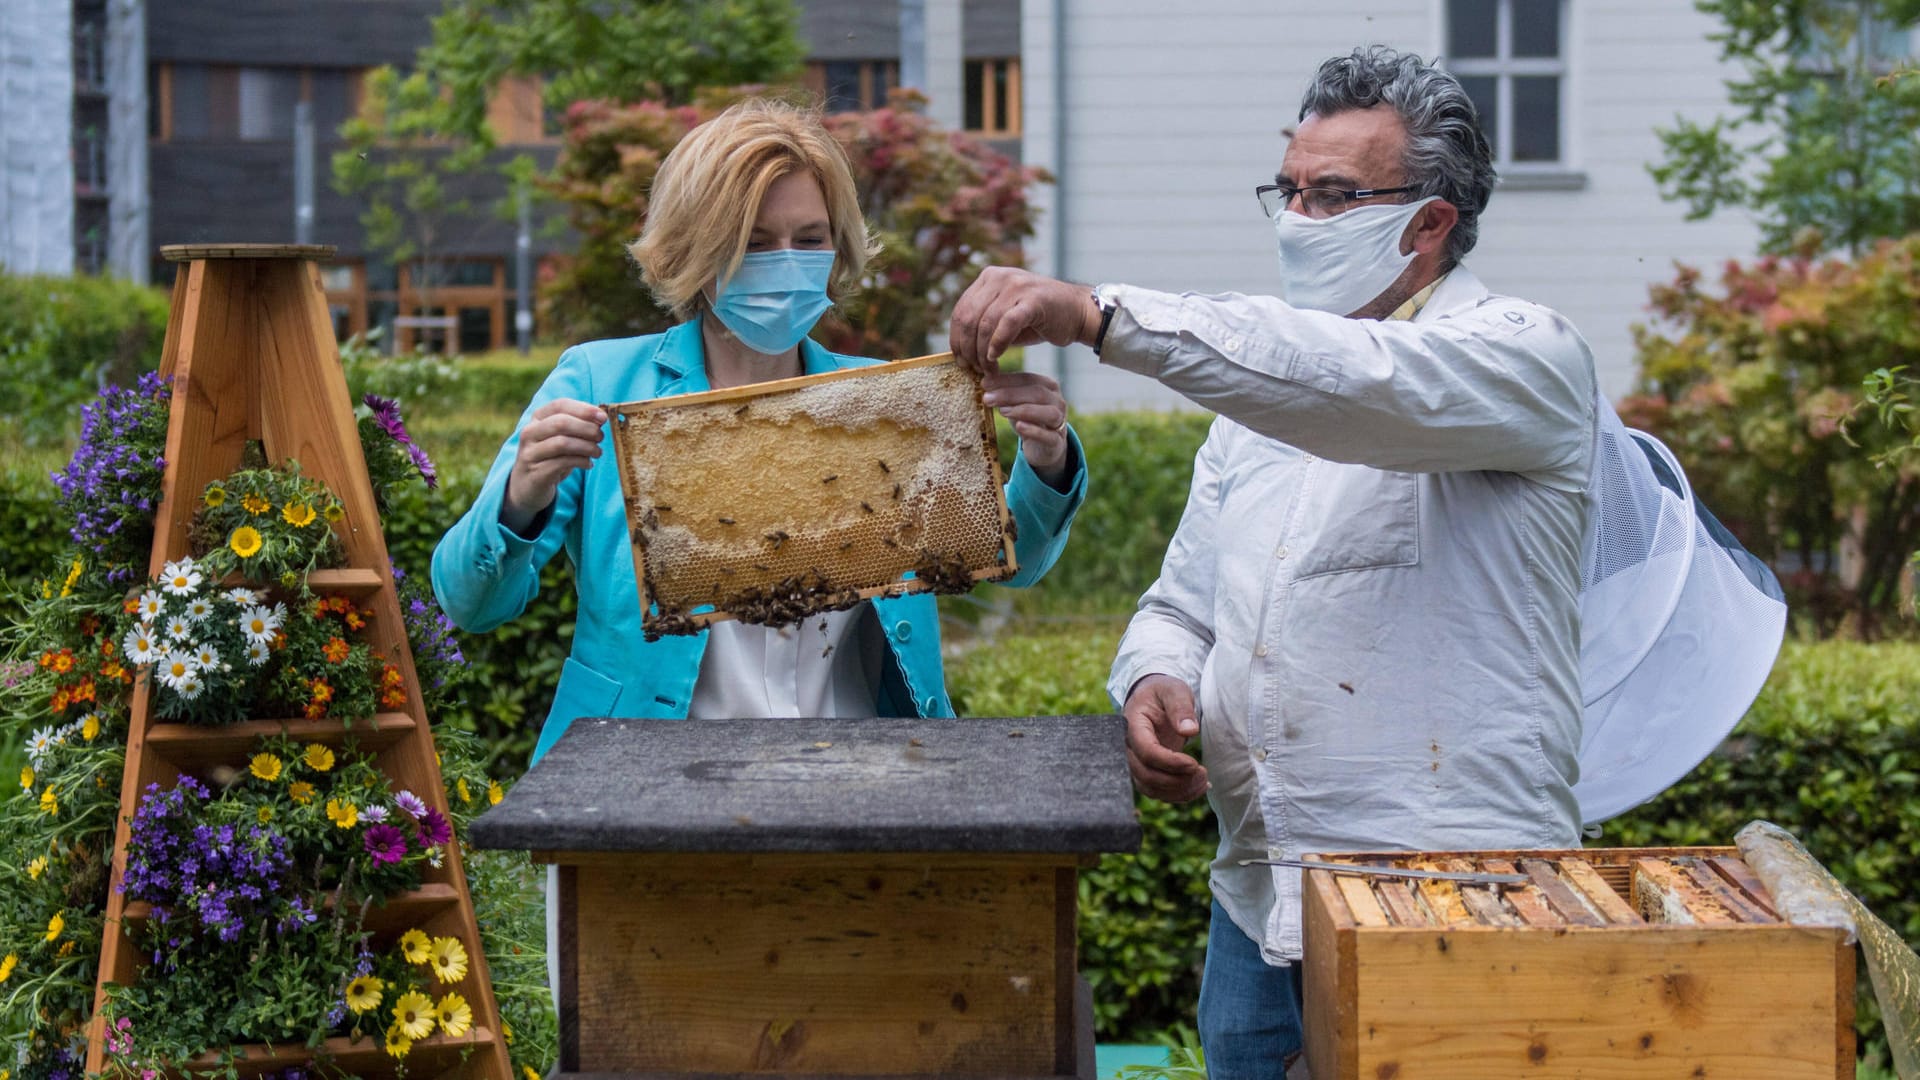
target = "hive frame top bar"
x: 765, y: 389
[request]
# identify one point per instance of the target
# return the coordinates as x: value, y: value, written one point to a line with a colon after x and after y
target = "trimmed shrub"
x: 61, y: 338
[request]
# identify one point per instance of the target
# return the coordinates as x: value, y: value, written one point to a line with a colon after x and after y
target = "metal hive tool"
x: 772, y: 502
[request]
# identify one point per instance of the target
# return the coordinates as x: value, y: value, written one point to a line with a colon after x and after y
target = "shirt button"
x: 1260, y: 754
x: 903, y: 631
x: 1280, y: 552
x: 1260, y: 649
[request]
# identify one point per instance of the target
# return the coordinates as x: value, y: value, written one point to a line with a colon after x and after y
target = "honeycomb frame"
x: 774, y: 501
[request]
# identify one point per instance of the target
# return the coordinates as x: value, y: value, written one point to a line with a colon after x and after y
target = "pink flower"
x: 386, y: 844
x: 434, y: 829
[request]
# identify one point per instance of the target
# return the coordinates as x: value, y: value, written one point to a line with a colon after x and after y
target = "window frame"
x: 990, y: 96
x: 1502, y: 67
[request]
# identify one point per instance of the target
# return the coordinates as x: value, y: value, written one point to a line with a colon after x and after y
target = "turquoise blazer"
x: 484, y: 574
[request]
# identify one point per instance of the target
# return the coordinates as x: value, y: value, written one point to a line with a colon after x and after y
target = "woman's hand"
x: 563, y: 435
x: 1031, y: 402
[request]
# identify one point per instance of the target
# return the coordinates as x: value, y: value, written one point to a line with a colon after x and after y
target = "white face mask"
x: 1342, y: 263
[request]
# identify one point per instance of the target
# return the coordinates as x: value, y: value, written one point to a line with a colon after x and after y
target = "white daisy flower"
x: 180, y: 578
x: 40, y: 745
x: 374, y: 815
x: 206, y: 659
x: 175, y: 667
x: 189, y: 688
x: 256, y: 653
x: 242, y: 596
x: 140, y: 645
x: 258, y: 623
x: 179, y: 629
x: 436, y: 858
x: 151, y: 604
x: 199, y: 608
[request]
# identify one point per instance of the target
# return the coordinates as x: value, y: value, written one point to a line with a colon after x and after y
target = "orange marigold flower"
x: 355, y: 622
x: 89, y: 625
x: 63, y: 661
x: 279, y: 640
x: 393, y: 699
x: 46, y: 658
x: 315, y: 710
x: 84, y: 692
x: 61, y: 699
x: 130, y: 605
x: 106, y: 647
x: 322, y: 690
x: 335, y: 650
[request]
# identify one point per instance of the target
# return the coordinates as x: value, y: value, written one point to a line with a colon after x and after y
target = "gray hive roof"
x: 1053, y: 784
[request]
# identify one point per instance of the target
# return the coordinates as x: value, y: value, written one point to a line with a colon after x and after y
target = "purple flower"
x: 411, y: 803
x: 386, y: 844
x: 435, y: 831
x: 387, y: 412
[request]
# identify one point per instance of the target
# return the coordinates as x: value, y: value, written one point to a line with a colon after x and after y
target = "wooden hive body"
x: 1611, y: 963
x: 822, y: 897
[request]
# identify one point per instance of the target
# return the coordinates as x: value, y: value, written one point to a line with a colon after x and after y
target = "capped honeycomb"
x: 772, y: 502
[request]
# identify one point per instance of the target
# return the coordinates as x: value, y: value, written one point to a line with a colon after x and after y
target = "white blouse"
x: 828, y: 665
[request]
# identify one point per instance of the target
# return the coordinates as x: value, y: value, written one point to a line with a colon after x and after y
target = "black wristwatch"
x: 1107, y: 308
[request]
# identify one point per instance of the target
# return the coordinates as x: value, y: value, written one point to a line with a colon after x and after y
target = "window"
x: 993, y: 97
x: 846, y: 85
x: 219, y: 103
x: 518, y: 114
x: 1510, y: 55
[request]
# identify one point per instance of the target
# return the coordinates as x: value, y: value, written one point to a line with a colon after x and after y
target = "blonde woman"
x: 752, y: 228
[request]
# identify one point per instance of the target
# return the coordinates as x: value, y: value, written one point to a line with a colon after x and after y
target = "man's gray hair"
x: 1447, y: 154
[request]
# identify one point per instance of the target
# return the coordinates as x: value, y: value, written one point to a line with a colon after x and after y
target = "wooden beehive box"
x: 1616, y: 963
x: 775, y: 501
x: 823, y: 898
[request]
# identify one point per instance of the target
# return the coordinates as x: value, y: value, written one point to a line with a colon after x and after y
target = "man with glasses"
x: 1369, y: 613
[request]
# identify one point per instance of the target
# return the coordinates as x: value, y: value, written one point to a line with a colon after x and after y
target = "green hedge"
x: 62, y: 338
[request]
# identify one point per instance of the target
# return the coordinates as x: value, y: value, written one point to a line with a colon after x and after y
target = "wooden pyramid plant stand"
x: 250, y: 349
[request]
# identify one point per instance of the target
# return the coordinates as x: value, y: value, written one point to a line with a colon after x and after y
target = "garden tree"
x: 1820, y: 139
x: 422, y: 143
x: 942, y: 205
x: 1753, y: 385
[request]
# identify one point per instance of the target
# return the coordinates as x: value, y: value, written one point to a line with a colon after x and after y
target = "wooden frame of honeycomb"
x: 771, y: 502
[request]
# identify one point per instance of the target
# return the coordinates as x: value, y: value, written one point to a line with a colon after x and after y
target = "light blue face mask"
x: 775, y: 298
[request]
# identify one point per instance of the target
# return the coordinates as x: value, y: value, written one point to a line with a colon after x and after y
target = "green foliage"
x: 661, y: 49
x: 1752, y: 385
x: 942, y: 206
x: 1819, y: 104
x: 62, y: 338
x: 1139, y: 466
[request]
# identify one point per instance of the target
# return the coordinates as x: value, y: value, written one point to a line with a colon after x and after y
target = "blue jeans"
x: 1250, y: 1024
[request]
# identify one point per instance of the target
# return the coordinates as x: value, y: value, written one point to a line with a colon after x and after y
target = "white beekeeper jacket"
x: 1375, y: 585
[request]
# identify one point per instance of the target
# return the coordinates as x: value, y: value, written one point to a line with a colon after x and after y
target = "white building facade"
x: 1159, y: 119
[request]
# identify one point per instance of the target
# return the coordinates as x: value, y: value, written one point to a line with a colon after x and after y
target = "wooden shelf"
x: 356, y: 583
x: 365, y: 1057
x: 400, y: 913
x: 197, y: 746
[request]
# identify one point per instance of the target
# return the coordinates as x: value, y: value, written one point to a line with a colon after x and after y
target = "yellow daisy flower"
x: 449, y: 959
x: 49, y: 804
x: 26, y: 777
x: 301, y: 792
x: 527, y: 1071
x: 495, y: 793
x: 506, y: 1029
x: 460, y: 785
x: 455, y: 1016
x: 265, y: 814
x: 90, y: 729
x: 215, y: 495
x: 67, y: 946
x: 266, y: 767
x: 245, y: 541
x: 341, y: 813
x: 414, y: 945
x: 256, y: 505
x: 333, y: 513
x: 318, y: 757
x: 363, y: 993
x: 55, y: 925
x: 397, y: 1043
x: 413, y: 1015
x: 298, y: 515
x: 7, y: 965
x: 36, y: 868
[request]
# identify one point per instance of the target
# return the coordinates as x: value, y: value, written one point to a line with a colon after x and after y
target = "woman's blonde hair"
x: 708, y: 191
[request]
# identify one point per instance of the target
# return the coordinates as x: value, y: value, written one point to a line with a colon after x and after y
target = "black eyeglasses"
x: 1320, y: 202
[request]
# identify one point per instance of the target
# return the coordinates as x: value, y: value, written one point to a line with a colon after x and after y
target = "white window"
x: 1511, y: 56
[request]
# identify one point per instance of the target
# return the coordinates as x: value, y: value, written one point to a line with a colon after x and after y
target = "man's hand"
x: 1160, y: 720
x: 1005, y: 307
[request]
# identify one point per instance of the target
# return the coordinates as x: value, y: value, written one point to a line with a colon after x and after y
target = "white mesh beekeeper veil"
x: 1679, y: 625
